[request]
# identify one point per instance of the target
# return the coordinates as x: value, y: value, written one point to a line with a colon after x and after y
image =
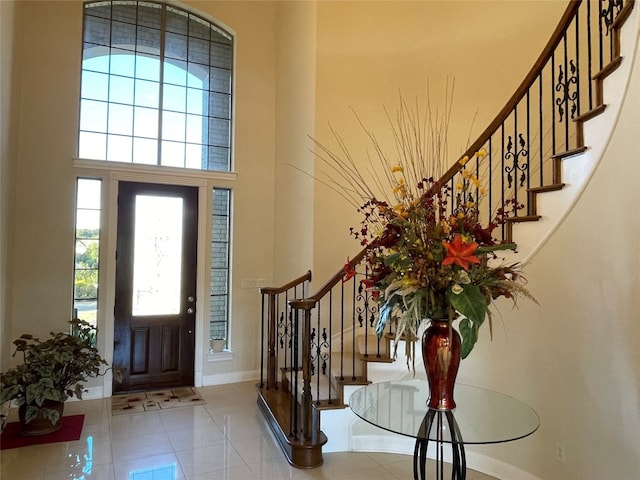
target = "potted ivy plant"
x: 52, y: 371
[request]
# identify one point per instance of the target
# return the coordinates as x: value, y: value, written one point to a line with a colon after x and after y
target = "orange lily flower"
x: 460, y: 253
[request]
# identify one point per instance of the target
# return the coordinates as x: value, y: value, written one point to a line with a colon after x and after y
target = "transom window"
x: 156, y: 87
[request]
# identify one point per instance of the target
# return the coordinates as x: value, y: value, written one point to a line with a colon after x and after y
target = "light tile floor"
x: 226, y: 439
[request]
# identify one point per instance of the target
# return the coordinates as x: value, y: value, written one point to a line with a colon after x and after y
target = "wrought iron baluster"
x: 541, y: 128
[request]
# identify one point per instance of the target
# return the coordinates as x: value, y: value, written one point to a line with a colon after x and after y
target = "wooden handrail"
x: 310, y: 302
x: 521, y: 91
x: 286, y: 286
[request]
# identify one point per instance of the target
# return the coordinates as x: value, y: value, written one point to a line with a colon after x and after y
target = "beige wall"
x: 295, y: 117
x: 8, y: 110
x: 46, y: 44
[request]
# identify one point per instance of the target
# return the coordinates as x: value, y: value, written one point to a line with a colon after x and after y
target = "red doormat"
x: 70, y: 430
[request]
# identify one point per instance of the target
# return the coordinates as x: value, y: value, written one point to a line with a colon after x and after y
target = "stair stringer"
x: 577, y: 170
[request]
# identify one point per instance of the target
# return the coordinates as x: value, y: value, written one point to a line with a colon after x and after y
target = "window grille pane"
x: 173, y: 154
x: 199, y: 28
x: 119, y: 148
x: 218, y: 158
x: 175, y: 72
x: 94, y: 116
x: 121, y: 119
x: 147, y: 67
x: 97, y: 30
x: 124, y: 34
x: 198, y: 51
x: 95, y: 85
x: 148, y: 40
x: 147, y: 94
x: 194, y: 129
x: 176, y: 46
x: 220, y: 80
x: 92, y: 146
x: 195, y: 101
x: 125, y: 12
x: 150, y: 15
x: 145, y: 122
x: 122, y: 63
x: 175, y: 98
x: 121, y: 90
x: 177, y: 21
x: 173, y: 125
x: 220, y: 103
x: 145, y: 151
x: 102, y: 10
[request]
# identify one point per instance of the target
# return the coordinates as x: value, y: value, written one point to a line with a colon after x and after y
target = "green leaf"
x: 52, y: 415
x: 469, y: 334
x: 470, y: 302
x: 391, y: 258
x: 30, y: 413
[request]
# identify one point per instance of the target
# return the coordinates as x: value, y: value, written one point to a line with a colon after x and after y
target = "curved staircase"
x: 542, y: 148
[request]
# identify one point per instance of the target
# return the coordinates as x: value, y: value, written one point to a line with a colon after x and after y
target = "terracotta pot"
x: 441, y: 357
x: 40, y: 425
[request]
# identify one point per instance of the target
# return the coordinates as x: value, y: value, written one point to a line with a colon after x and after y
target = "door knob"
x: 190, y: 310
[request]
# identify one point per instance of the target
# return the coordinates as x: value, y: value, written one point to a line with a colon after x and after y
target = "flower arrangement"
x: 428, y: 255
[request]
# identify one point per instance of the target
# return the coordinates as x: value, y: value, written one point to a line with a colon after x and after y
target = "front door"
x: 154, y: 328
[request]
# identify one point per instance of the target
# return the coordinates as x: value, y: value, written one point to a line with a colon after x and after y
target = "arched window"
x: 156, y: 87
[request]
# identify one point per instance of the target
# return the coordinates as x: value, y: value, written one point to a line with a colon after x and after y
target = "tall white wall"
x: 295, y: 117
x: 8, y: 110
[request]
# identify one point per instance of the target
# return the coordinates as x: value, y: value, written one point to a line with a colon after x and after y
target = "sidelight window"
x: 87, y: 249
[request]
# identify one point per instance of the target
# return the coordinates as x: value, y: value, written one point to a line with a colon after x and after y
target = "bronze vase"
x: 441, y: 357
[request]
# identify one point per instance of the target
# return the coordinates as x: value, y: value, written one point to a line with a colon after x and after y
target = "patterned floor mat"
x: 155, y: 400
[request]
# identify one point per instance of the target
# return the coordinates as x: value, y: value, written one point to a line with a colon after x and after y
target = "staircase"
x: 317, y: 347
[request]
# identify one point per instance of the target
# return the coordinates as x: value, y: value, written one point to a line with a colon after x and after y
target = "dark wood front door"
x: 154, y: 328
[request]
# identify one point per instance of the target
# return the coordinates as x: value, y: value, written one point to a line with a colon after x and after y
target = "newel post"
x: 307, y: 421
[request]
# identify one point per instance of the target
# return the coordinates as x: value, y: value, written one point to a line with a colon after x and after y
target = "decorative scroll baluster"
x: 313, y: 351
x: 323, y: 352
x: 516, y: 166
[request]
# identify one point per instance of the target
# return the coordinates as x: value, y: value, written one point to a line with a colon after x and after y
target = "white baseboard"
x: 91, y: 393
x: 224, y: 378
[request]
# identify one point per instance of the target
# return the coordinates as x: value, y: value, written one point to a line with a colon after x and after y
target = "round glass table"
x: 481, y: 416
